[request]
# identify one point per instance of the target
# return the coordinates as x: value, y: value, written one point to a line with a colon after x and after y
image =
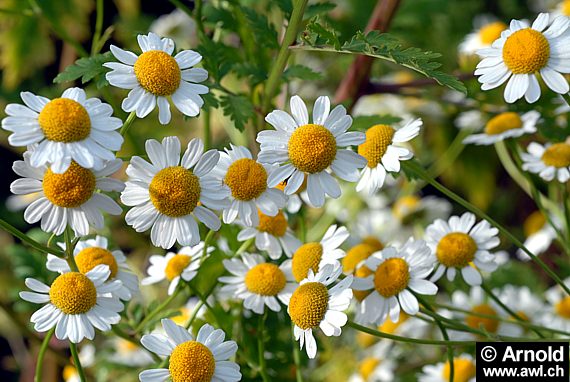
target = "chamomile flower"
x: 557, y: 313
x: 359, y: 253
x: 155, y: 76
x: 413, y: 209
x: 383, y: 152
x: 562, y: 9
x: 394, y: 272
x: 246, y: 180
x: 69, y: 198
x: 482, y: 37
x: 313, y: 149
x: 272, y: 235
x: 66, y: 129
x: 505, y: 125
x: 169, y: 194
x: 463, y: 370
x: 76, y: 303
x: 129, y: 354
x: 377, y: 366
x: 313, y: 305
x: 90, y: 253
x: 521, y: 53
x: 313, y: 256
x: 539, y: 234
x: 459, y: 244
x: 175, y: 266
x: 551, y: 161
x: 258, y: 283
x: 205, y: 358
x: 523, y: 302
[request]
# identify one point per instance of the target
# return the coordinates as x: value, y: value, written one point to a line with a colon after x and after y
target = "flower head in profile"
x: 539, y: 234
x: 482, y: 37
x: 204, y: 358
x: 524, y: 51
x: 313, y: 305
x: 557, y: 312
x: 505, y: 125
x: 377, y: 366
x: 70, y: 128
x: 155, y: 76
x: 169, y: 194
x: 313, y: 150
x: 550, y: 161
x: 463, y: 370
x: 75, y: 303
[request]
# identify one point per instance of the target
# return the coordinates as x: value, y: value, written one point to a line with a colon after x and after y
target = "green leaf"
x: 301, y: 72
x: 239, y: 108
x: 218, y: 58
x: 317, y: 9
x: 254, y: 73
x: 264, y: 32
x: 317, y: 34
x: 86, y: 68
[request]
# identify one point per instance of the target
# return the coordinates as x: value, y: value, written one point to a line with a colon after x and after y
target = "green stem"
x: 28, y: 240
x: 77, y: 362
x: 446, y: 338
x: 296, y: 356
x: 158, y: 309
x: 453, y: 151
x: 207, y: 240
x: 246, y: 244
x: 41, y: 355
x: 98, y: 28
x: 186, y: 10
x: 69, y: 246
x: 261, y: 347
x: 194, y: 314
x: 128, y: 123
x: 565, y: 202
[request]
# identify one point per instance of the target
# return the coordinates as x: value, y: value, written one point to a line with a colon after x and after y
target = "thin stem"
x: 261, y: 347
x: 246, y: 244
x: 207, y: 240
x: 69, y: 249
x: 77, y: 362
x: 184, y: 9
x: 98, y: 28
x: 128, y: 123
x: 28, y: 240
x: 158, y: 309
x: 453, y: 151
x: 296, y: 356
x: 41, y: 355
x: 565, y: 201
x: 446, y: 338
x: 194, y: 314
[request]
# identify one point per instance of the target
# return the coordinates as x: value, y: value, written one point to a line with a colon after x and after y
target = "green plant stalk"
x: 77, y: 362
x: 98, y: 27
x: 453, y: 151
x: 69, y: 246
x: 296, y: 356
x: 158, y: 309
x: 41, y: 355
x: 565, y: 202
x: 207, y: 240
x: 128, y: 123
x: 207, y: 131
x: 28, y: 240
x: 194, y: 314
x: 261, y: 347
x: 186, y: 10
x: 246, y: 244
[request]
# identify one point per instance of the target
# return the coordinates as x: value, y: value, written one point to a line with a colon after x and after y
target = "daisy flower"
x: 155, y: 76
x: 562, y: 9
x: 551, y: 161
x: 76, y: 303
x: 314, y: 256
x: 313, y: 305
x: 394, y: 272
x: 205, y: 358
x: 557, y: 314
x: 70, y: 198
x: 258, y: 283
x: 482, y: 37
x: 377, y: 366
x: 90, y: 253
x: 175, y: 266
x: 463, y: 370
x: 539, y: 234
x: 521, y: 53
x: 521, y: 301
x: 169, y: 194
x: 357, y: 254
x: 505, y: 125
x: 311, y: 149
x: 383, y: 152
x: 126, y: 353
x: 272, y: 234
x: 246, y: 181
x: 459, y: 244
x: 413, y: 209
x: 66, y: 129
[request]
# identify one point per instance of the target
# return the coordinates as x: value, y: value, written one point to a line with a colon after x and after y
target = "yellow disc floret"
x: 390, y: 327
x: 265, y: 279
x: 192, y: 361
x: 175, y: 191
x: 90, y: 257
x: 456, y: 250
x: 565, y: 7
x: 70, y: 189
x: 534, y: 223
x: 273, y: 225
x: 491, y: 32
x: 463, y: 370
x: 246, y: 179
x: 557, y: 155
x: 526, y: 51
x: 158, y: 72
x: 503, y: 122
x: 562, y: 307
x: 476, y: 322
x: 367, y: 366
x: 176, y: 266
x: 308, y: 256
x: 405, y: 206
x: 378, y: 138
x: 64, y: 120
x: 312, y: 148
x: 373, y: 242
x: 308, y: 305
x: 391, y: 277
x: 73, y: 293
x: 355, y: 255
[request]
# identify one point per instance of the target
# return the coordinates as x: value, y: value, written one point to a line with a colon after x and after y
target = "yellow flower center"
x: 390, y: 327
x: 566, y: 7
x: 90, y: 257
x: 563, y: 308
x: 70, y: 189
x: 308, y: 256
x: 378, y: 138
x: 463, y: 370
x: 503, y: 122
x: 489, y: 324
x: 557, y: 155
x: 373, y: 242
x: 64, y: 120
x: 273, y: 225
x: 405, y: 205
x: 491, y: 32
x: 176, y: 266
x: 158, y: 72
x: 308, y: 305
x: 265, y: 279
x: 534, y: 223
x: 362, y: 272
x: 246, y: 179
x: 175, y: 191
x: 391, y: 277
x: 126, y: 347
x: 367, y: 367
x: 355, y: 255
x: 526, y: 51
x: 191, y: 361
x: 182, y: 318
x: 73, y: 293
x: 312, y: 148
x: 456, y: 250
